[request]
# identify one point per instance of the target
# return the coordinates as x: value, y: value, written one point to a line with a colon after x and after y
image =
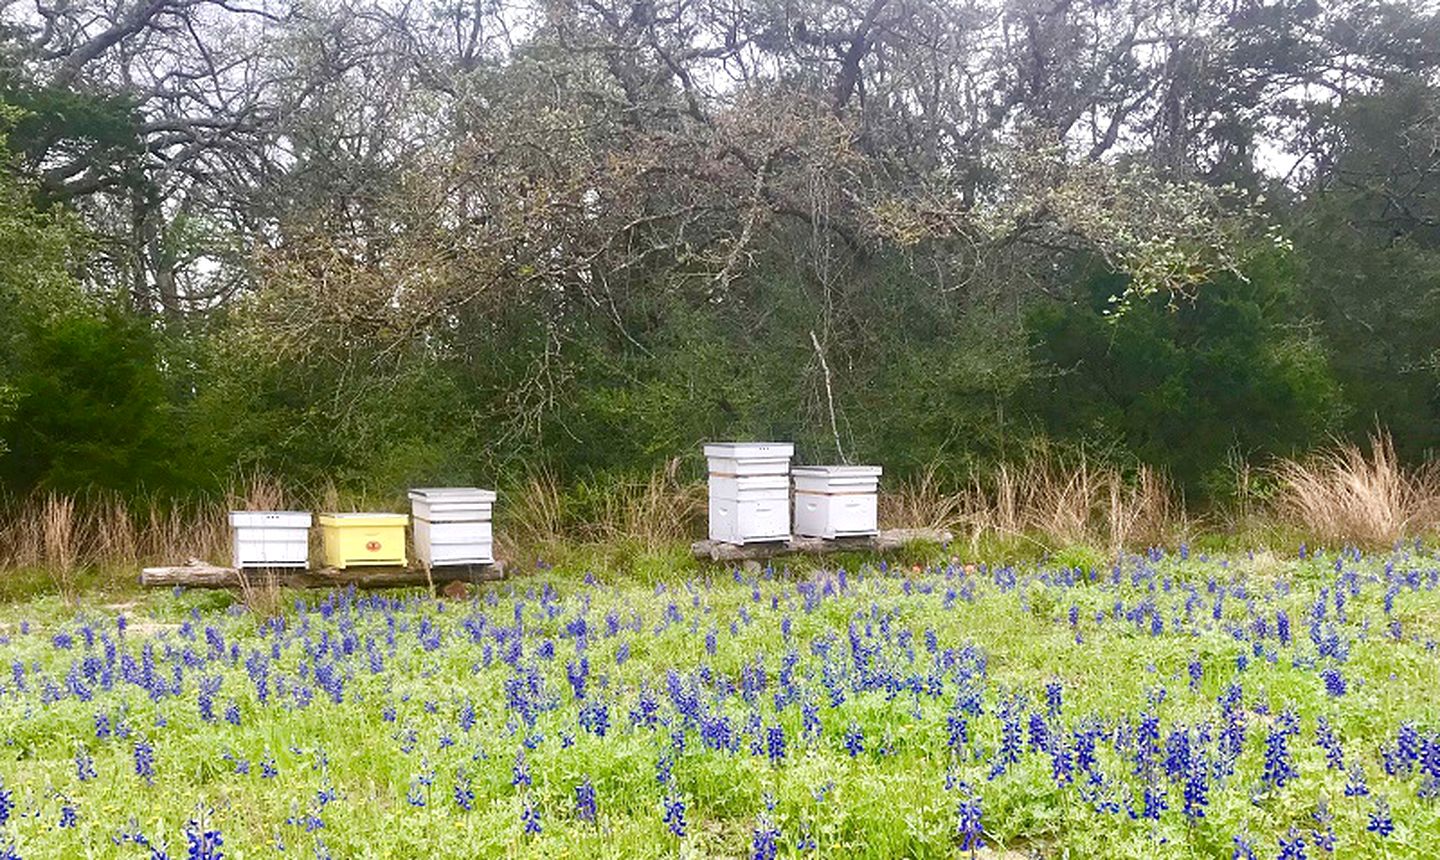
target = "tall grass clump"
x: 649, y: 514
x: 1044, y: 500
x: 1346, y: 494
x: 57, y: 529
x: 64, y: 535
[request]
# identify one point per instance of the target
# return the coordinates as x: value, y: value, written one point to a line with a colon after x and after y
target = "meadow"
x: 1172, y: 704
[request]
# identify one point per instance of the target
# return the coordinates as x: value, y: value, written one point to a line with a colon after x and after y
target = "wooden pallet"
x: 200, y: 574
x: 886, y: 541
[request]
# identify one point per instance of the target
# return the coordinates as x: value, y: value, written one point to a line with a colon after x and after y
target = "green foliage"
x: 92, y: 407
x: 358, y: 751
x: 1182, y: 387
x: 67, y: 123
x: 1369, y: 248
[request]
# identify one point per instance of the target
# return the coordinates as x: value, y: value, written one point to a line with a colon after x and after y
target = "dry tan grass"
x: 1344, y: 494
x: 921, y: 502
x: 657, y: 512
x: 57, y: 528
x: 1045, y: 500
x: 533, y: 517
x: 62, y: 534
x: 652, y: 513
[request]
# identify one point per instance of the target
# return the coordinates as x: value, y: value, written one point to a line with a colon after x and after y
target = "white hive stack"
x: 836, y: 501
x: 749, y: 491
x: 452, y: 525
x: 270, y: 538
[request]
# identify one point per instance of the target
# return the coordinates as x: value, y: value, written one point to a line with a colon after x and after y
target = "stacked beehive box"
x: 270, y: 538
x: 836, y: 501
x: 749, y: 491
x: 453, y: 525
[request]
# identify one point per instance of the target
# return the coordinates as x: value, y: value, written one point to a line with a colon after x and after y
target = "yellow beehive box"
x: 351, y: 540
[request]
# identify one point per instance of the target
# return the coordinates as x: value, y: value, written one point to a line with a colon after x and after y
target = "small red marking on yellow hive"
x: 373, y: 546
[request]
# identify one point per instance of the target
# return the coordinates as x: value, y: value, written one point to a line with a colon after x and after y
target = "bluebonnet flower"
x: 1282, y: 626
x: 521, y: 773
x: 585, y: 800
x: 1355, y: 785
x: 1062, y: 765
x: 1147, y: 743
x: 1054, y: 697
x: 84, y: 765
x: 1326, y: 739
x: 1010, y: 735
x: 854, y: 740
x: 578, y: 673
x: 1177, y: 754
x: 1334, y: 681
x: 1039, y: 732
x: 530, y: 817
x: 1324, y: 837
x: 595, y: 717
x: 1153, y: 802
x: 144, y: 761
x: 1279, y: 768
x: 464, y: 794
x: 1380, y: 822
x: 7, y: 803
x: 1243, y: 849
x: 1400, y: 760
x: 203, y: 842
x: 1430, y: 767
x: 968, y: 824
x: 675, y: 814
x: 775, y: 744
x: 1292, y: 846
x: 810, y: 718
x: 764, y: 843
x: 68, y: 817
x: 1197, y: 788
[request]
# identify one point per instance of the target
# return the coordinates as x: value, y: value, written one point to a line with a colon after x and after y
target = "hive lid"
x: 294, y: 518
x: 837, y: 471
x: 453, y: 494
x: 745, y: 450
x: 365, y: 518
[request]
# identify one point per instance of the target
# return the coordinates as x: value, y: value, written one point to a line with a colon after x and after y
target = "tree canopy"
x: 386, y: 242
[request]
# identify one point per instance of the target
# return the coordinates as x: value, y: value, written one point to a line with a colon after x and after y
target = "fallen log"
x: 885, y: 541
x: 199, y: 574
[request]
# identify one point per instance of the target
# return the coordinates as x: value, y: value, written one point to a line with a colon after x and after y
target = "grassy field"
x: 1171, y: 706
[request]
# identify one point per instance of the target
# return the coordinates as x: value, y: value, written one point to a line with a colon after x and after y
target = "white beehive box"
x: 270, y: 538
x: 452, y: 525
x: 749, y: 491
x: 836, y: 501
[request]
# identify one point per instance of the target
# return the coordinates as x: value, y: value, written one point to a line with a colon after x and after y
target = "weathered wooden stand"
x: 199, y: 574
x: 885, y: 541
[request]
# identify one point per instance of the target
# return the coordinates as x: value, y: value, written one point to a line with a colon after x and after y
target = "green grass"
x: 897, y: 798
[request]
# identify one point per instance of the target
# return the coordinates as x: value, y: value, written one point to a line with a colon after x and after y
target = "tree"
x: 1368, y: 232
x: 1185, y: 388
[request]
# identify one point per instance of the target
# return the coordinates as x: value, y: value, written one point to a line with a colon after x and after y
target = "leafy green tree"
x: 36, y: 250
x: 84, y: 400
x: 1368, y: 238
x: 1182, y: 387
